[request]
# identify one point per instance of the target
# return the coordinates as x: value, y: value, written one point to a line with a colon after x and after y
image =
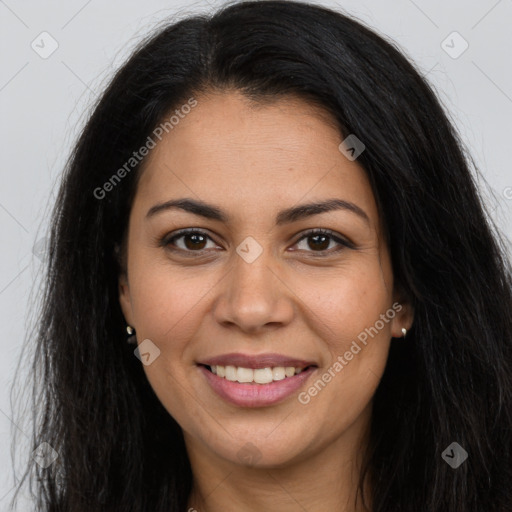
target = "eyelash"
x: 168, y: 241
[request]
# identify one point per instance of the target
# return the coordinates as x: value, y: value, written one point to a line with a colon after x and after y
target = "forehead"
x: 245, y: 155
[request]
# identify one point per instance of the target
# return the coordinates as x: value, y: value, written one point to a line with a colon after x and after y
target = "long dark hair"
x: 451, y: 381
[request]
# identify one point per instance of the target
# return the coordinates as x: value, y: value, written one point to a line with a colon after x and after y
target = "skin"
x: 298, y: 298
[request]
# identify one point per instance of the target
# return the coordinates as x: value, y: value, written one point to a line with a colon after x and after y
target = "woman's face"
x: 251, y: 289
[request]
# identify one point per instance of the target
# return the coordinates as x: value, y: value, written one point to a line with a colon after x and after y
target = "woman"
x: 272, y: 205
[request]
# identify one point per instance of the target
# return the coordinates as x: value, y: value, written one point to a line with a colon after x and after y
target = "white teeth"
x: 258, y: 376
x: 231, y: 373
x: 263, y: 375
x: 278, y: 373
x: 244, y: 374
x: 289, y: 371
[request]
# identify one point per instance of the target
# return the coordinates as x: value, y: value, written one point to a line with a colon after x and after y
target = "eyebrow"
x: 293, y: 214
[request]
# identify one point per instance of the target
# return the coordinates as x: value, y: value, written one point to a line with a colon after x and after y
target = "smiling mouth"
x: 258, y: 376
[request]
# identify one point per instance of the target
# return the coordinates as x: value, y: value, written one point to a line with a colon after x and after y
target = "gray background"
x: 44, y: 103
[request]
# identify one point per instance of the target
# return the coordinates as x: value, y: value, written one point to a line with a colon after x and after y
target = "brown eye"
x: 194, y: 241
x: 320, y: 241
x: 188, y: 241
x: 315, y: 241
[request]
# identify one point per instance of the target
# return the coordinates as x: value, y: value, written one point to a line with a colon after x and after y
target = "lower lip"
x: 256, y: 395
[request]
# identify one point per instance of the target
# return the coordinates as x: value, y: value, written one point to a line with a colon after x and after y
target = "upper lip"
x: 268, y: 360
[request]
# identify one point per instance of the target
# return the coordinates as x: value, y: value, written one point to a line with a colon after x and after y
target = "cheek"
x: 345, y: 305
x: 168, y: 304
x: 347, y: 318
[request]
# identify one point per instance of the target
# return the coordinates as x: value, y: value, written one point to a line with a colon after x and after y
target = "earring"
x: 404, y: 331
x: 131, y: 335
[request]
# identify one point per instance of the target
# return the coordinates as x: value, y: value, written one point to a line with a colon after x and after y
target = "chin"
x: 261, y: 452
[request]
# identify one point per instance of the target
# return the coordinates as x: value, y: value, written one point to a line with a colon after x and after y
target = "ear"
x: 125, y: 298
x: 404, y: 314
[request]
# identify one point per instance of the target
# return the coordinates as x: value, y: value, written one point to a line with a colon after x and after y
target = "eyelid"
x: 165, y: 241
x: 339, y: 239
x: 344, y: 241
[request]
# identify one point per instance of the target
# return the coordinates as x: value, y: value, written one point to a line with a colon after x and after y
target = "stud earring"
x: 404, y: 331
x: 131, y: 338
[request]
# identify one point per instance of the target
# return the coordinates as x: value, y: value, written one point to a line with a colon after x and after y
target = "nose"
x: 254, y: 296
